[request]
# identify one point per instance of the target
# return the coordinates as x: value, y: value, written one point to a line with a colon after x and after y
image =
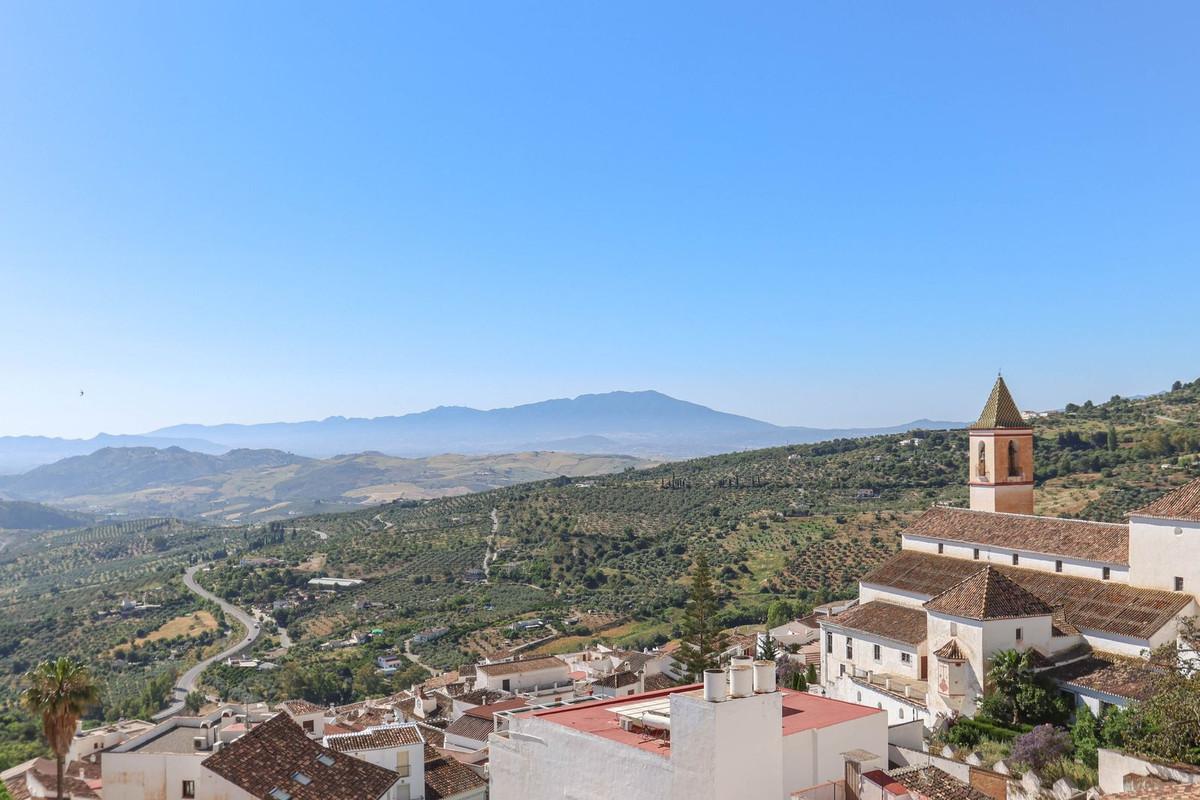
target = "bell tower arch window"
x: 982, y: 467
x: 1014, y: 462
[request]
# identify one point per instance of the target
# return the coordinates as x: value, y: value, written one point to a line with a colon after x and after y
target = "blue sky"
x: 808, y: 213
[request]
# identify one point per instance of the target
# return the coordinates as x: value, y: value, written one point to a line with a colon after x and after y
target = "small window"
x: 859, y: 697
x: 188, y: 789
x: 829, y: 643
x: 849, y: 647
x: 901, y: 712
x: 1058, y: 566
x: 280, y: 794
x: 1106, y: 573
x: 976, y: 553
x: 301, y: 778
x: 941, y: 548
x: 906, y: 658
x: 1014, y: 460
x: 326, y: 759
x: 954, y: 629
x: 1178, y: 584
x: 842, y: 669
x: 309, y: 726
x: 1016, y: 559
x: 1020, y: 634
x: 878, y: 652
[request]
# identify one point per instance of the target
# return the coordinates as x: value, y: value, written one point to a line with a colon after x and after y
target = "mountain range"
x: 645, y: 424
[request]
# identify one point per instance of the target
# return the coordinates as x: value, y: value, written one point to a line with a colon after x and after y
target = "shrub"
x: 1040, y: 746
x: 1085, y: 734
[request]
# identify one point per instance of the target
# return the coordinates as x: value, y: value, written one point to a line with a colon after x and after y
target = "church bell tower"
x: 1001, y: 456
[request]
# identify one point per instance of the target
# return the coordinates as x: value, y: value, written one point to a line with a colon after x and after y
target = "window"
x: 1020, y: 634
x: 859, y: 697
x: 188, y: 790
x: 1016, y: 559
x: 878, y: 652
x: 301, y: 778
x: 849, y: 647
x: 1106, y: 573
x: 829, y: 643
x: 981, y: 468
x: 976, y: 553
x: 941, y: 548
x: 954, y: 629
x: 280, y: 794
x: 1058, y: 566
x: 1178, y: 584
x: 842, y: 669
x: 901, y: 712
x: 906, y: 658
x: 1014, y: 461
x: 308, y: 726
x: 506, y: 684
x: 326, y: 759
x: 402, y: 768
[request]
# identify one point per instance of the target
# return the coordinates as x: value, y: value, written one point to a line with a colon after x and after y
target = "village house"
x: 1090, y: 600
x: 738, y: 735
x: 534, y: 675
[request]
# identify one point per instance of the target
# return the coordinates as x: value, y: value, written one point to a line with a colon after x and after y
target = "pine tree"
x: 768, y: 648
x: 810, y: 674
x: 702, y: 637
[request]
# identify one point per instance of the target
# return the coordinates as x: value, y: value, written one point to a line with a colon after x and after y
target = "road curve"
x: 187, y: 681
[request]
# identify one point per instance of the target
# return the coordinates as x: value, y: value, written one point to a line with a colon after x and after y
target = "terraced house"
x: 1089, y: 599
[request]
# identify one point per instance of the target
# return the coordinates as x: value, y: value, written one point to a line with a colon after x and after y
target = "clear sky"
x: 820, y: 214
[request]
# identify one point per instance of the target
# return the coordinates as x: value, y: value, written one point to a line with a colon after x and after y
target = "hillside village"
x: 996, y: 654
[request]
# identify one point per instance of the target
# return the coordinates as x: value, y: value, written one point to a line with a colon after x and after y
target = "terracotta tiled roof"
x: 477, y: 729
x: 934, y: 784
x: 890, y: 620
x: 1000, y: 411
x: 634, y: 659
x: 489, y: 710
x: 1059, y: 625
x: 278, y: 755
x: 527, y: 665
x: 446, y: 778
x: 618, y: 680
x: 658, y: 681
x: 1131, y: 678
x: 433, y: 736
x: 46, y: 773
x: 1182, y: 503
x: 1106, y: 606
x: 1072, y: 538
x: 988, y: 594
x: 300, y: 707
x: 1165, y: 792
x: 375, y: 739
x: 951, y: 651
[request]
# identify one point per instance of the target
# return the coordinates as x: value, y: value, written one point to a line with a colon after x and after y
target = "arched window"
x: 1014, y: 463
x: 981, y: 470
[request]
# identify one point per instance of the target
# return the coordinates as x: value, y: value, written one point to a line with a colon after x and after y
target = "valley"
x: 603, y: 556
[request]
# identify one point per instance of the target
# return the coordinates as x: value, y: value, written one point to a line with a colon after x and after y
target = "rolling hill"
x: 254, y: 485
x: 23, y: 516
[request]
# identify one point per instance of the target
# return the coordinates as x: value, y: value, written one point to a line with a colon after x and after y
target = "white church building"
x: 1090, y: 599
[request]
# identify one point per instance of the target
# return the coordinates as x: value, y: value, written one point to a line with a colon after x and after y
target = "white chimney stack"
x: 716, y: 686
x: 764, y: 676
x: 741, y: 680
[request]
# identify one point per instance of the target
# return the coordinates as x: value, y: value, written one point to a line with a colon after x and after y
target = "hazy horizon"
x: 817, y: 216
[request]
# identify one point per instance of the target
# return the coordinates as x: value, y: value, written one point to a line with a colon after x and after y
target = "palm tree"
x: 59, y: 691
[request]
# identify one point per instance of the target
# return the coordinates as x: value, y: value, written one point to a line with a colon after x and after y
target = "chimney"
x: 741, y: 681
x: 764, y: 676
x: 716, y: 688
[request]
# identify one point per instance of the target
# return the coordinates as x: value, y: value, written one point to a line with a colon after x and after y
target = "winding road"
x: 187, y: 682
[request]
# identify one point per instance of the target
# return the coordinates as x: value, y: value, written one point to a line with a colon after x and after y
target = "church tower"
x: 1001, y: 456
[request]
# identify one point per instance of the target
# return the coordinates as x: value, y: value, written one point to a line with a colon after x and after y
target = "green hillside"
x: 603, y: 556
x: 800, y: 523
